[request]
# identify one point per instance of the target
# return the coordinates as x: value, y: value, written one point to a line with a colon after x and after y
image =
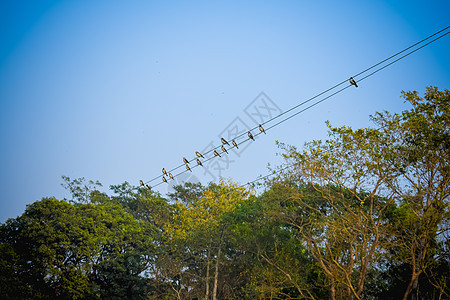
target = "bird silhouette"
x: 171, y: 176
x: 141, y: 182
x: 250, y: 135
x: 352, y: 81
x: 199, y: 162
x: 261, y: 129
x: 224, y: 150
x: 224, y: 141
x: 198, y: 154
x: 147, y: 187
x: 164, y: 171
x: 234, y: 144
x: 164, y: 179
x: 185, y: 160
x: 216, y: 153
x: 187, y: 168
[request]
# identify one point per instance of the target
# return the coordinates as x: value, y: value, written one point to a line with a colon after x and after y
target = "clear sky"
x: 116, y: 90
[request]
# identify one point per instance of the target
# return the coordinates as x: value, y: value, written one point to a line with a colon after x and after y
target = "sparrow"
x: 216, y: 153
x: 171, y: 176
x: 199, y: 162
x: 164, y: 171
x: 147, y: 187
x: 164, y: 179
x: 199, y: 154
x: 250, y: 135
x: 185, y: 160
x: 261, y: 129
x: 234, y: 144
x: 141, y: 182
x: 224, y: 141
x: 224, y: 150
x: 352, y: 81
x: 187, y: 168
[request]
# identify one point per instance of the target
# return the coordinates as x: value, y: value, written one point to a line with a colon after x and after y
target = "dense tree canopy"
x: 363, y: 214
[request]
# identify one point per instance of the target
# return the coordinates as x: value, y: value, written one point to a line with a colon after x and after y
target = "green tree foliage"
x: 366, y: 194
x: 71, y: 251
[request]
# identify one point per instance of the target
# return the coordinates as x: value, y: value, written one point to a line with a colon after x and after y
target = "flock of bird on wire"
x: 199, y: 155
x: 224, y: 150
x: 352, y: 82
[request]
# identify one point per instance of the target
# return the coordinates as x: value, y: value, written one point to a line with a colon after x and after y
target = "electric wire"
x: 312, y: 98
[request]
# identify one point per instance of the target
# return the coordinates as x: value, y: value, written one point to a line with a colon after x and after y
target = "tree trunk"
x: 333, y: 289
x: 207, y: 277
x: 412, y: 286
x: 216, y: 274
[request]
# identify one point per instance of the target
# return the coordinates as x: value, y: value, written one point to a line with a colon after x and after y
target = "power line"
x: 312, y: 98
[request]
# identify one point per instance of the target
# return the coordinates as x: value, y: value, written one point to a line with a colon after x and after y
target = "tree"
x: 57, y: 249
x: 199, y: 232
x: 335, y: 200
x: 420, y: 139
x: 369, y: 193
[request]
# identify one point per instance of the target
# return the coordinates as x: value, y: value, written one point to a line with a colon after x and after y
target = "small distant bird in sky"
x: 216, y: 153
x: 352, y: 81
x: 164, y: 179
x: 185, y: 160
x: 234, y: 144
x: 187, y: 168
x: 224, y: 141
x: 198, y: 154
x: 171, y: 176
x: 164, y: 171
x: 141, y: 182
x: 261, y: 129
x: 199, y: 162
x: 224, y: 150
x: 250, y: 135
x: 147, y: 187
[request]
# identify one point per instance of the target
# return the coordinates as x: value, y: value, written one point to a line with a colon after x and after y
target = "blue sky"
x: 116, y: 90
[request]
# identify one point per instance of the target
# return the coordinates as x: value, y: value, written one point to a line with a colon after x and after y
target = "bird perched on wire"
x: 164, y: 171
x: 250, y: 135
x: 147, y: 187
x: 216, y: 153
x: 234, y: 144
x: 224, y: 141
x: 171, y: 176
x: 164, y: 179
x: 198, y: 154
x: 199, y: 162
x: 185, y: 160
x: 261, y: 129
x: 224, y: 150
x: 352, y: 81
x: 187, y: 168
x: 141, y: 182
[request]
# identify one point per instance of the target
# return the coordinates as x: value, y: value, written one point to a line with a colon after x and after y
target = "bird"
x: 199, y: 154
x: 164, y: 179
x: 199, y: 162
x: 147, y: 187
x: 352, y: 81
x: 164, y: 171
x: 224, y: 150
x: 234, y: 144
x: 224, y: 141
x: 250, y: 135
x: 216, y: 153
x: 141, y: 182
x: 261, y: 129
x: 171, y: 176
x: 185, y: 160
x: 187, y: 168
